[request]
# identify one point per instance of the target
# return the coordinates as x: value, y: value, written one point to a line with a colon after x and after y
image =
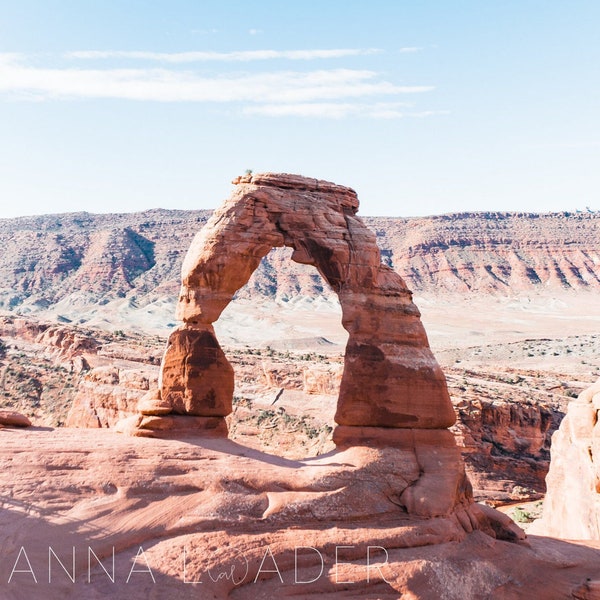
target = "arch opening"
x: 282, y: 334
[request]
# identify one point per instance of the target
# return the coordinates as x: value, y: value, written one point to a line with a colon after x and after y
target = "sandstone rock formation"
x: 393, y: 394
x: 390, y: 379
x: 62, y: 343
x: 505, y: 444
x: 108, y: 394
x: 277, y: 522
x: 572, y: 503
x: 10, y: 418
x: 206, y: 512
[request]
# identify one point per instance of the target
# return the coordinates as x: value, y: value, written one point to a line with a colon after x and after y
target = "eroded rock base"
x: 173, y: 426
x: 330, y: 526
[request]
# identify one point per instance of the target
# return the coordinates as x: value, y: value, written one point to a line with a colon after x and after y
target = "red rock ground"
x: 232, y: 507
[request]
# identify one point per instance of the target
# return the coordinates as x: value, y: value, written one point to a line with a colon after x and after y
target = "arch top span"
x: 390, y: 378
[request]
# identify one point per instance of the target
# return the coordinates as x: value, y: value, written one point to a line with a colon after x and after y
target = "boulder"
x: 10, y: 418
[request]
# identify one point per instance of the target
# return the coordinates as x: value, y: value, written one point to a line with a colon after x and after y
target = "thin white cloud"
x: 8, y: 58
x: 238, y: 56
x: 165, y: 85
x: 255, y: 31
x: 211, y: 31
x: 329, y: 110
x: 410, y: 49
x: 340, y: 110
x: 574, y: 145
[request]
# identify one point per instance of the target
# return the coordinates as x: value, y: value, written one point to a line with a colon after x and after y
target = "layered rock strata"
x: 108, y: 394
x: 390, y: 378
x: 505, y: 444
x: 80, y: 266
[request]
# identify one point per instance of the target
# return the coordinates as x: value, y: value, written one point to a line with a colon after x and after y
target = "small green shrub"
x: 521, y: 516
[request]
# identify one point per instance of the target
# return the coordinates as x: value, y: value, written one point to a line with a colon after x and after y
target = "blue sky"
x: 422, y: 106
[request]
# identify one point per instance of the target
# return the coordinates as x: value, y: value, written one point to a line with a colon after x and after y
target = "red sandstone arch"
x: 390, y: 379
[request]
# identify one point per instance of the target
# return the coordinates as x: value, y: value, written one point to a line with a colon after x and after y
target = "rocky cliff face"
x: 70, y: 262
x: 107, y: 394
x: 494, y: 252
x: 505, y: 444
x: 84, y: 259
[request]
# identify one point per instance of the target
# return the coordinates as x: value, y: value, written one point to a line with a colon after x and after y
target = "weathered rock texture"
x: 66, y: 264
x: 505, y: 444
x: 10, y: 418
x: 60, y: 342
x: 108, y: 394
x: 572, y: 504
x: 390, y: 378
x: 229, y: 507
x: 393, y: 394
x: 494, y: 252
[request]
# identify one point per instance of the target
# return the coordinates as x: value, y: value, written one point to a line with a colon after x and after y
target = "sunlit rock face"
x: 390, y: 378
x: 572, y: 503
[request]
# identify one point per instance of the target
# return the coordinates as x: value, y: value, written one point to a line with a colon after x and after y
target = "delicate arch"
x: 390, y: 378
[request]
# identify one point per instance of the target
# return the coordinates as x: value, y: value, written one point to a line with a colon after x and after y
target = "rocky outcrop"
x: 10, y: 418
x: 322, y: 379
x: 572, y: 503
x: 393, y: 394
x: 505, y: 445
x: 390, y: 379
x: 62, y: 343
x: 108, y: 394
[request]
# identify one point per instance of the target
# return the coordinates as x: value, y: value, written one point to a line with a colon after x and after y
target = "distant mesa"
x: 300, y: 343
x: 82, y: 265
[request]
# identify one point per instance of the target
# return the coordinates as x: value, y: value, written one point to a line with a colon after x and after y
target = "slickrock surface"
x: 572, y: 503
x: 244, y: 524
x: 390, y: 379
